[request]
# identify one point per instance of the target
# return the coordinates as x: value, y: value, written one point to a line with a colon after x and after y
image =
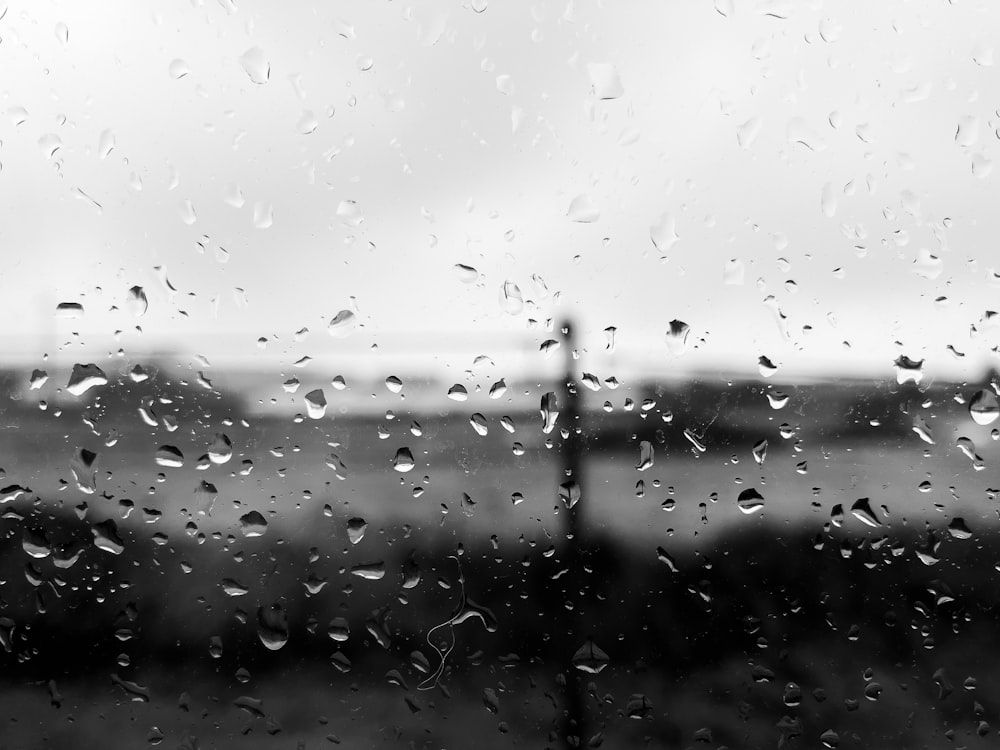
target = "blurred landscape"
x: 755, y: 564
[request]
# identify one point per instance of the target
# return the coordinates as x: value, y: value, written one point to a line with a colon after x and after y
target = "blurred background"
x: 561, y: 374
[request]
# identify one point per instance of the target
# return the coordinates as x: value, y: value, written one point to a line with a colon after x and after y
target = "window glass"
x: 552, y: 374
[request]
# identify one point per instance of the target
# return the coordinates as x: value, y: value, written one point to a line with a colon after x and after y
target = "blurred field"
x: 706, y: 613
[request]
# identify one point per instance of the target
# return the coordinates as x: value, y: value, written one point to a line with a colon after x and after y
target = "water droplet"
x: 204, y: 497
x: 356, y: 528
x: 37, y: 379
x: 967, y: 131
x: 466, y: 274
x: 750, y: 501
x: 766, y: 367
x: 677, y: 337
x: 178, y: 69
x: 272, y: 626
x: 458, y: 392
x: 645, y: 456
x: 760, y: 452
x: 170, y: 456
x: 403, y: 461
x: 746, y: 134
x: 393, y: 384
x: 338, y: 630
x: 83, y: 466
x: 663, y: 233
x: 606, y: 82
x: 498, y: 389
x: 862, y: 510
x: 255, y: 65
x: 136, y: 301
x: 664, y: 557
x: 569, y: 493
x: 983, y: 407
x: 85, y: 377
x: 958, y: 529
x: 777, y: 399
x: 106, y: 537
x: 369, y: 571
x: 253, y: 524
x: 478, y: 422
x: 263, y: 215
x: 969, y: 449
x: 342, y: 324
x: 590, y: 658
x: 830, y: 739
x: 923, y: 430
x: 232, y: 587
x: 315, y: 404
x: 582, y: 210
x: 221, y: 449
x: 510, y: 298
x: 550, y: 412
x: 34, y: 543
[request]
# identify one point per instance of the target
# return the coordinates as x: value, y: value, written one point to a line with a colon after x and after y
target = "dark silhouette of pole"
x: 574, y: 730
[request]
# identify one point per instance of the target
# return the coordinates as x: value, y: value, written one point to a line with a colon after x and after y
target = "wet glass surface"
x: 558, y: 374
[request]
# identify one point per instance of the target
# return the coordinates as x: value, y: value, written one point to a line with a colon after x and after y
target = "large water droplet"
x: 582, y: 210
x: 549, y: 411
x: 370, y: 571
x: 664, y: 232
x: 221, y: 449
x: 478, y: 422
x: 403, y: 460
x: 85, y: 377
x: 272, y: 626
x: 84, y: 470
x: 315, y: 404
x: 255, y: 65
x: 605, y: 80
x: 645, y: 456
x: 342, y: 324
x: 356, y: 528
x: 106, y: 537
x: 750, y: 501
x: 908, y: 370
x: 677, y: 337
x: 253, y: 524
x: 170, y: 456
x: 177, y: 69
x: 590, y: 658
x: 511, y: 300
x: 983, y: 407
x: 862, y: 510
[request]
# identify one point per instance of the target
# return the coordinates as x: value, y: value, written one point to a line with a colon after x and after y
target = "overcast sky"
x: 713, y: 162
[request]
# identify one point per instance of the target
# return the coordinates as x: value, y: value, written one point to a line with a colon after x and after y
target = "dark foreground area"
x: 764, y: 639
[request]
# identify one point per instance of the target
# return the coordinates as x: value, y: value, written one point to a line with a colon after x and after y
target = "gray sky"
x: 843, y: 159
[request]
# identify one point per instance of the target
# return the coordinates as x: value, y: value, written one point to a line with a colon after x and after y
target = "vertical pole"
x: 572, y: 464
